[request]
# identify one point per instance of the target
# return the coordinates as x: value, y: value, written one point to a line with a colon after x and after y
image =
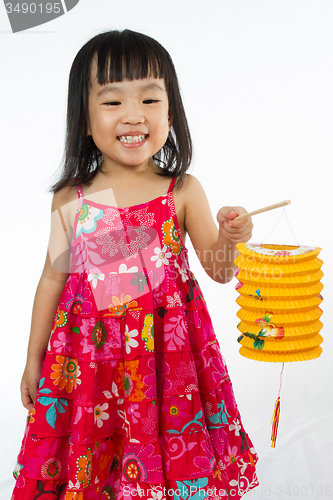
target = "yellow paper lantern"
x: 279, y: 288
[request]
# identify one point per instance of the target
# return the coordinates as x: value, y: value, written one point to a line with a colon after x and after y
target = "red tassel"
x: 276, y: 413
x: 275, y: 422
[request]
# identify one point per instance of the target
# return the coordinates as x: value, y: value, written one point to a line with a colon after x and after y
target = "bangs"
x: 116, y: 56
x: 129, y: 56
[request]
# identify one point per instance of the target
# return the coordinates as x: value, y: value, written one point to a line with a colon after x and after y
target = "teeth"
x: 132, y: 138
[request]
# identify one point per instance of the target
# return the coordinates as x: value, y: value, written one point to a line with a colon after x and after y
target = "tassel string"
x: 276, y: 413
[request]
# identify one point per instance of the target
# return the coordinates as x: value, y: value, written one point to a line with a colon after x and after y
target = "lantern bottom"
x: 275, y: 357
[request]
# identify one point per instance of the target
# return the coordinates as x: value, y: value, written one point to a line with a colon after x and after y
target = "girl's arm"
x: 215, y: 246
x: 45, y: 304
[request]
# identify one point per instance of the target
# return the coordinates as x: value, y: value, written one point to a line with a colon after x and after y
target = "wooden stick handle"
x: 265, y: 209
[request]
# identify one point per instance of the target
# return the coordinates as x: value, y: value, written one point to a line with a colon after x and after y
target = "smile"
x: 129, y: 139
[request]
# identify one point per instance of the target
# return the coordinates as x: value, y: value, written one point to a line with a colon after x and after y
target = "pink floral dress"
x: 134, y: 397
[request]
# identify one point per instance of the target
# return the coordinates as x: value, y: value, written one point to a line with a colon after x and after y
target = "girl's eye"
x: 150, y: 101
x: 112, y: 103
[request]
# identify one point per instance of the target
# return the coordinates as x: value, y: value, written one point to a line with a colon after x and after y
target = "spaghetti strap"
x: 79, y: 190
x: 172, y: 183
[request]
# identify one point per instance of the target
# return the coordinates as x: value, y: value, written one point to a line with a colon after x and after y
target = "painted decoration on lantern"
x: 280, y: 294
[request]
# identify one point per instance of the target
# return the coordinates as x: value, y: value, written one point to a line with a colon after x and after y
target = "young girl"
x: 130, y: 395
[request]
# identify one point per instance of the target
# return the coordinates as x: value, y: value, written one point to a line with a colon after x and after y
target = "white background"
x: 256, y: 77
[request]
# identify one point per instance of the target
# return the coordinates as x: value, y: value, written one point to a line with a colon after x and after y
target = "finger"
x: 240, y: 223
x: 234, y: 228
x: 226, y: 213
x: 238, y: 234
x: 232, y: 214
x: 241, y: 238
x: 26, y: 400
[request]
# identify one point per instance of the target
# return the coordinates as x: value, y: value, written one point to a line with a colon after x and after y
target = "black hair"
x: 121, y: 55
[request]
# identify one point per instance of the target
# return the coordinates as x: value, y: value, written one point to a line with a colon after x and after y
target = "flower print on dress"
x: 74, y: 492
x: 206, y: 462
x: 128, y: 240
x: 119, y: 307
x: 112, y: 218
x: 49, y: 461
x: 99, y: 448
x: 161, y: 256
x: 62, y: 343
x: 100, y: 337
x: 220, y: 418
x: 77, y: 292
x: 84, y: 467
x: 149, y: 424
x: 182, y: 272
x: 130, y: 381
x: 100, y: 414
x: 94, y: 277
x: 134, y: 469
x: 235, y: 426
x: 133, y: 411
x: 150, y: 379
x: 88, y: 217
x: 30, y: 417
x: 208, y: 359
x: 85, y: 257
x: 171, y: 236
x: 155, y: 490
x: 174, y: 333
x: 174, y: 301
x: 144, y: 217
x: 66, y: 373
x: 192, y: 489
x: 108, y: 493
x: 174, y: 447
x: 130, y: 341
x: 232, y: 456
x: 147, y: 333
x: 141, y: 462
x: 140, y: 281
x: 17, y: 471
x: 56, y: 405
x: 111, y: 284
x: 60, y: 320
x: 123, y: 269
x: 175, y: 410
x: 186, y: 378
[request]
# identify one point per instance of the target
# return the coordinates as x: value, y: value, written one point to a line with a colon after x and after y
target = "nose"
x: 133, y: 114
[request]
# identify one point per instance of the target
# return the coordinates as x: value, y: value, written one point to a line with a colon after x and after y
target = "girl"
x: 130, y: 394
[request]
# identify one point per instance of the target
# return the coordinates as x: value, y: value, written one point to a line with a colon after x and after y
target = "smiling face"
x: 128, y: 120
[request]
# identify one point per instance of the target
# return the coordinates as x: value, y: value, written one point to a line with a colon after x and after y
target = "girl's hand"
x: 234, y: 230
x: 29, y: 385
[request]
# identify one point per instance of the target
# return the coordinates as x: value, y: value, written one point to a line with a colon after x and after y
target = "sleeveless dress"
x: 134, y: 397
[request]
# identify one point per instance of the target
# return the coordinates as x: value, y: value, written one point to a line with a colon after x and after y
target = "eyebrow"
x: 112, y: 88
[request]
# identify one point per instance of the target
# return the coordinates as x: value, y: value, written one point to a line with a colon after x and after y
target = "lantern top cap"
x: 279, y: 250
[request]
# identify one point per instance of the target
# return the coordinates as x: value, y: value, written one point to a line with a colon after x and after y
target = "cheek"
x: 101, y: 127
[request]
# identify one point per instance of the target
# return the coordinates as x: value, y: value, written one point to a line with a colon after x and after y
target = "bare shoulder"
x: 191, y: 192
x: 63, y: 197
x: 65, y: 202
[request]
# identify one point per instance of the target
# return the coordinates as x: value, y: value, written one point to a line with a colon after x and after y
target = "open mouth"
x: 130, y: 139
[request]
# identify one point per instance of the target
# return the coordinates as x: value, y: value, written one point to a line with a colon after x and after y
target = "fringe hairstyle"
x: 121, y: 55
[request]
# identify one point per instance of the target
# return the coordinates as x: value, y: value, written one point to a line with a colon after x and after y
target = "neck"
x: 126, y: 171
